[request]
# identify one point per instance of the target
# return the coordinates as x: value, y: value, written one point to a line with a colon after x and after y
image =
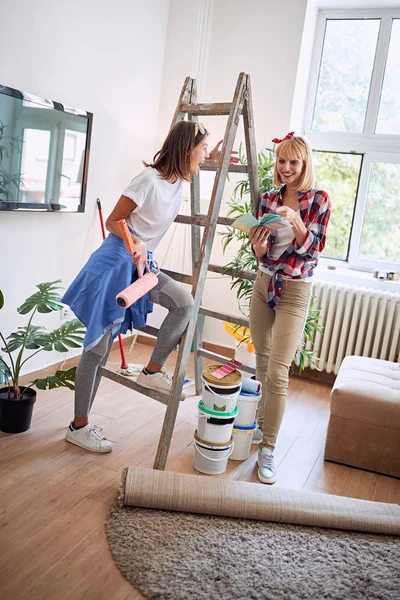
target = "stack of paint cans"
x: 217, y: 412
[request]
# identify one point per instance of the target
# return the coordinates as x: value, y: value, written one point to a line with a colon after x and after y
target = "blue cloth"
x: 92, y: 295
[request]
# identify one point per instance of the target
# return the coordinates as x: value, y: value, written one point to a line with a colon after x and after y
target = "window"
x: 352, y: 120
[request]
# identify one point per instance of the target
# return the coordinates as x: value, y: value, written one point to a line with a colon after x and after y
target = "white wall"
x: 260, y: 37
x: 104, y: 57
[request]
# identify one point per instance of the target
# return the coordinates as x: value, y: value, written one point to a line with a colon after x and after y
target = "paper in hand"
x: 271, y: 221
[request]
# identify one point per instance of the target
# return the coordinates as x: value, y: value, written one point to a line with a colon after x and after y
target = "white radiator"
x: 357, y: 321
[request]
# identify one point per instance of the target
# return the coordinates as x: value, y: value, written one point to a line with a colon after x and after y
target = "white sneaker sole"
x: 99, y: 451
x: 265, y: 480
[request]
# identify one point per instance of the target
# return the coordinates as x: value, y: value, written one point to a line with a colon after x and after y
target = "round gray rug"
x: 180, y: 556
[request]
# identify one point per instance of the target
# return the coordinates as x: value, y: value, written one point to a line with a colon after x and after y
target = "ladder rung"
x: 182, y: 277
x: 149, y: 329
x: 217, y: 108
x: 229, y: 318
x: 222, y: 359
x: 242, y: 274
x: 201, y: 220
x: 127, y: 382
x: 211, y: 166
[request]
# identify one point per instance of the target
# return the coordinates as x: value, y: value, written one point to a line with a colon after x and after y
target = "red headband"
x: 287, y: 137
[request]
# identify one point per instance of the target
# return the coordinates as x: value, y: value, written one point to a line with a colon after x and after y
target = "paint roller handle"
x: 126, y: 236
x: 130, y: 245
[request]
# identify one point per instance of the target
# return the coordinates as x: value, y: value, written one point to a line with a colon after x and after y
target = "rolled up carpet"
x: 149, y: 488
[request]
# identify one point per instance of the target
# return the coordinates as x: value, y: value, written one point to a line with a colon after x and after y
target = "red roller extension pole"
x: 124, y: 364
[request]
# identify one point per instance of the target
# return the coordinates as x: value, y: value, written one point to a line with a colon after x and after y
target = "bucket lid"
x: 246, y: 428
x: 212, y: 444
x: 233, y: 379
x: 217, y: 413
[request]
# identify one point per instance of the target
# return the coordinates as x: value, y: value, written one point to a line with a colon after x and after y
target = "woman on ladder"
x: 149, y: 205
x: 282, y: 290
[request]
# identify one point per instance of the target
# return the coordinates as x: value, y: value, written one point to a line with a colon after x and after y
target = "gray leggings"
x: 169, y: 294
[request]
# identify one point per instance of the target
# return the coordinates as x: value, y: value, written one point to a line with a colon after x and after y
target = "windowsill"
x: 352, y: 277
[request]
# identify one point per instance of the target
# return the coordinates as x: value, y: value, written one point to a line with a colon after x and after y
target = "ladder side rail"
x: 251, y: 151
x: 184, y: 97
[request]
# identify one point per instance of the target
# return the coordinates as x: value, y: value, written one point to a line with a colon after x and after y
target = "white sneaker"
x: 266, y: 466
x: 160, y: 382
x: 257, y: 436
x: 88, y: 437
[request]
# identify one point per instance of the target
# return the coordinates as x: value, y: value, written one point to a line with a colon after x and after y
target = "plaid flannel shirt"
x: 297, y: 262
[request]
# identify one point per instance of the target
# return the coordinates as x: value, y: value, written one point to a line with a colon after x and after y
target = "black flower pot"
x: 16, y: 415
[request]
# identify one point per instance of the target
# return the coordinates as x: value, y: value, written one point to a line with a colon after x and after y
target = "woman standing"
x: 282, y: 290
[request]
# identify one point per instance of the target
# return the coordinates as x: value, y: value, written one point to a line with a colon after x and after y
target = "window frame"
x: 373, y: 147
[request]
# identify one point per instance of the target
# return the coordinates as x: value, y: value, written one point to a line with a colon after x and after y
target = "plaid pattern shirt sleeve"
x: 297, y: 261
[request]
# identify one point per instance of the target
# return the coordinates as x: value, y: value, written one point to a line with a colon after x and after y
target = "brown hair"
x: 291, y: 149
x: 173, y: 160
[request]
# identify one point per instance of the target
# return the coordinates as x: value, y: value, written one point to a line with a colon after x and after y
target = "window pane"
x: 380, y: 236
x: 345, y: 74
x: 389, y: 108
x: 34, y: 162
x: 338, y: 175
x: 72, y: 168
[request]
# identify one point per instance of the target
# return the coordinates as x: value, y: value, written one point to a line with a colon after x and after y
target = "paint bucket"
x: 215, y: 427
x: 242, y: 438
x: 210, y: 459
x: 220, y: 394
x: 247, y: 406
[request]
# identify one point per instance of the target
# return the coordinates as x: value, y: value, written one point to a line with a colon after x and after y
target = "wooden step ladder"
x: 202, y: 246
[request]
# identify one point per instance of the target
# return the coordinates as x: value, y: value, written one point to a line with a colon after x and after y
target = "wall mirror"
x: 44, y: 153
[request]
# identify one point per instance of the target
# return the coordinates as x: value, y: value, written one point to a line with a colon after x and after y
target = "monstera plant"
x: 16, y: 401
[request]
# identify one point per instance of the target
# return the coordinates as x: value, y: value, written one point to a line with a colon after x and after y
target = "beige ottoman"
x: 364, y: 425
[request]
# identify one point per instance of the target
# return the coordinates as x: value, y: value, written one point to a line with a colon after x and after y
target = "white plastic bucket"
x: 242, y: 437
x: 211, y: 459
x: 247, y: 406
x: 220, y: 397
x: 215, y: 427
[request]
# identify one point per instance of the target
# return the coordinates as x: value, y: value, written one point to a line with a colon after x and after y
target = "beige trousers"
x: 276, y: 334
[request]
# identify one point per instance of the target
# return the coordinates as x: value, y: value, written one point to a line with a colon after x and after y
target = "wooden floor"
x: 54, y: 496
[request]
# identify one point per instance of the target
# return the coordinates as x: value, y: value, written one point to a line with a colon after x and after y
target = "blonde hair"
x: 294, y: 148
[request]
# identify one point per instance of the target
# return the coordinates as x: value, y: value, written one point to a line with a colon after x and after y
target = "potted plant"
x: 16, y: 401
x: 245, y: 261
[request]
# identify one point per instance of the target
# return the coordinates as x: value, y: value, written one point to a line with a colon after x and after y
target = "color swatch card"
x: 226, y: 369
x: 271, y: 221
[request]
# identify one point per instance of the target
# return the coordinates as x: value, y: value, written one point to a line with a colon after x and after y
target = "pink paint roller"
x: 144, y: 283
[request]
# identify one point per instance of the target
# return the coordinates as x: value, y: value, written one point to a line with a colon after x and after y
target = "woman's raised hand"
x: 287, y: 213
x: 259, y: 240
x: 215, y: 154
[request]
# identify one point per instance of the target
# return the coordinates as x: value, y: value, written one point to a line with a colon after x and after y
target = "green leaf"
x: 60, y: 379
x: 69, y: 335
x: 45, y: 300
x: 5, y: 372
x: 1, y: 300
x: 16, y: 340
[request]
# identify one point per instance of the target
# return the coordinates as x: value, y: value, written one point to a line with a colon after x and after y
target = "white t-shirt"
x: 157, y: 202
